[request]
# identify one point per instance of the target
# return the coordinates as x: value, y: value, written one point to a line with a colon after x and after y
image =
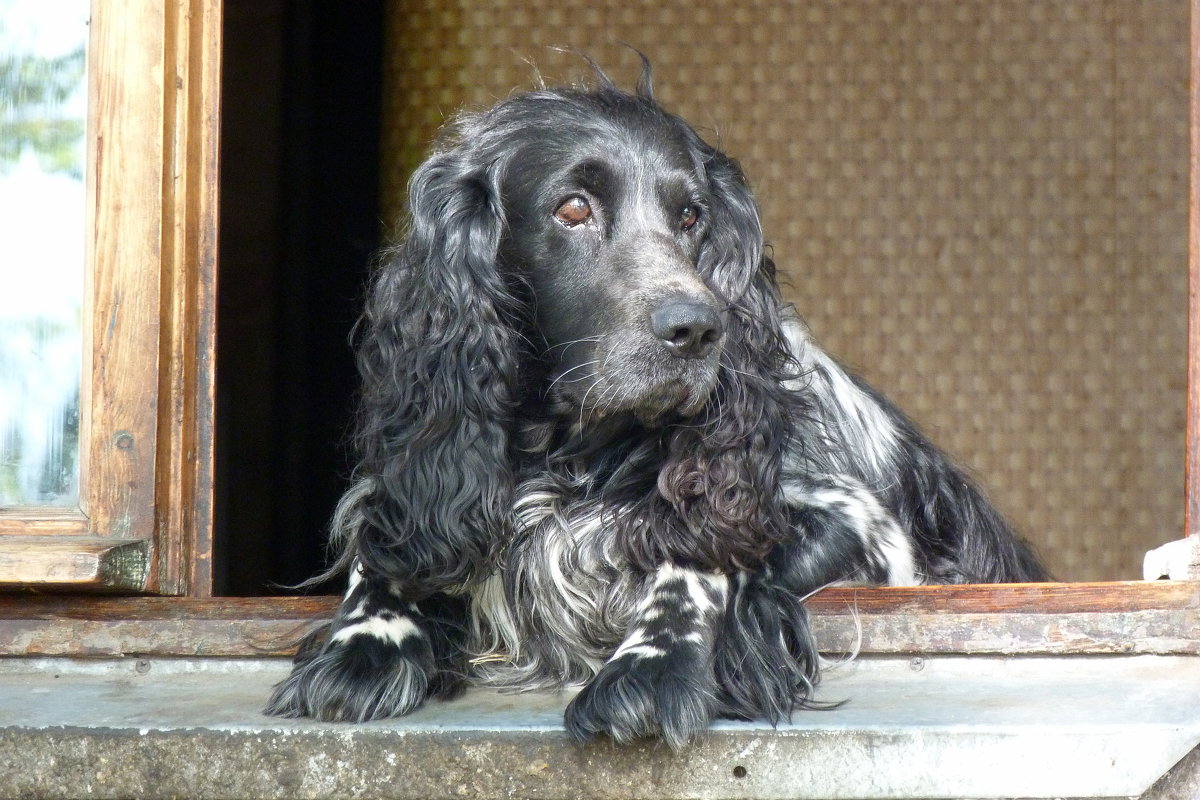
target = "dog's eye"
x: 575, y: 211
x: 688, y: 217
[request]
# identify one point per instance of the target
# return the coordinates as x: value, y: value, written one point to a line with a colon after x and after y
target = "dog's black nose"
x: 687, y: 328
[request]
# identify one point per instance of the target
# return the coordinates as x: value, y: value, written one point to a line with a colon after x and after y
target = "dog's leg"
x: 766, y: 657
x: 660, y: 680
x: 382, y: 656
x: 842, y: 534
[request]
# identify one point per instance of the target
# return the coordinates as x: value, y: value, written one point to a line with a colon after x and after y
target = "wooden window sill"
x: 1161, y: 617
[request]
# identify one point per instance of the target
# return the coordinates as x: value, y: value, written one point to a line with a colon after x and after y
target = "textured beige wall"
x: 980, y: 205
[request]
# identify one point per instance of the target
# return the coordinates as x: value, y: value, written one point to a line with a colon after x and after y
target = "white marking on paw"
x: 636, y: 645
x: 394, y: 630
x: 641, y: 651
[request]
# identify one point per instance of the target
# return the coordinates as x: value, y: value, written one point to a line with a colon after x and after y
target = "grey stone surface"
x: 941, y: 727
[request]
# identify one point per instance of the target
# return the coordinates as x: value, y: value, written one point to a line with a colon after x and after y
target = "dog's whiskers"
x: 573, y: 342
x: 568, y: 372
x: 583, y: 402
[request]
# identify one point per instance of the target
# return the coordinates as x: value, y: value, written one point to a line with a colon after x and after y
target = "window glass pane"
x: 43, y: 96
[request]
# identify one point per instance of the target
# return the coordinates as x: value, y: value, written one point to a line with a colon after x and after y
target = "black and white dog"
x: 598, y: 450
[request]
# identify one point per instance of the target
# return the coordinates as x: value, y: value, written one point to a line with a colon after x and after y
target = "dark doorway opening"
x: 300, y: 139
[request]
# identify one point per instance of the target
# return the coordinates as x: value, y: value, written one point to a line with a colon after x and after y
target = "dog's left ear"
x: 722, y: 473
x: 732, y: 257
x: 734, y: 261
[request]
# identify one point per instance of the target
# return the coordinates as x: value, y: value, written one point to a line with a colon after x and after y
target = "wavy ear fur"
x: 438, y: 364
x: 721, y: 473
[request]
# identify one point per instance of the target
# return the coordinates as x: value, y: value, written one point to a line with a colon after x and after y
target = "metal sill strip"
x: 943, y: 727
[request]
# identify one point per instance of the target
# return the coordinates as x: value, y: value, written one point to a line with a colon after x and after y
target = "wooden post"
x: 1192, y: 469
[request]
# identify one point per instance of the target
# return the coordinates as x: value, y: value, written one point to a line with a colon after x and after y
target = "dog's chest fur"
x: 561, y: 598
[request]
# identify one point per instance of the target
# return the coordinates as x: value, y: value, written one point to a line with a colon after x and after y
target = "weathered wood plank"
x: 1159, y: 631
x: 1192, y: 458
x: 76, y: 562
x: 51, y: 608
x: 1032, y: 597
x: 122, y: 290
x: 186, y: 375
x: 1025, y: 619
x: 35, y: 521
x: 109, y: 626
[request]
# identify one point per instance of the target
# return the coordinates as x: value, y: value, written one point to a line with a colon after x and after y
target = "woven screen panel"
x: 981, y: 206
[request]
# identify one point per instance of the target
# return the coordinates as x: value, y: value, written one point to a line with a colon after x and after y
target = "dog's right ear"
x: 438, y: 363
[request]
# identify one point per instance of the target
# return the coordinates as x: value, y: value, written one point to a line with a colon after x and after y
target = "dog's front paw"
x: 669, y: 695
x: 357, y: 678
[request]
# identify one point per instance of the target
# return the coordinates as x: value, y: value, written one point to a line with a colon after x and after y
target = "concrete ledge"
x: 945, y: 727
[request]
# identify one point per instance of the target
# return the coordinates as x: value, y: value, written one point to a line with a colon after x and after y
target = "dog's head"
x: 619, y: 239
x: 608, y: 208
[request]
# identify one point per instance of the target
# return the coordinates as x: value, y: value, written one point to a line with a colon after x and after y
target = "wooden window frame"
x: 143, y: 522
x: 166, y: 464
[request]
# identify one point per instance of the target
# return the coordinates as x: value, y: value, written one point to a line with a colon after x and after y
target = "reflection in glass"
x: 43, y: 96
